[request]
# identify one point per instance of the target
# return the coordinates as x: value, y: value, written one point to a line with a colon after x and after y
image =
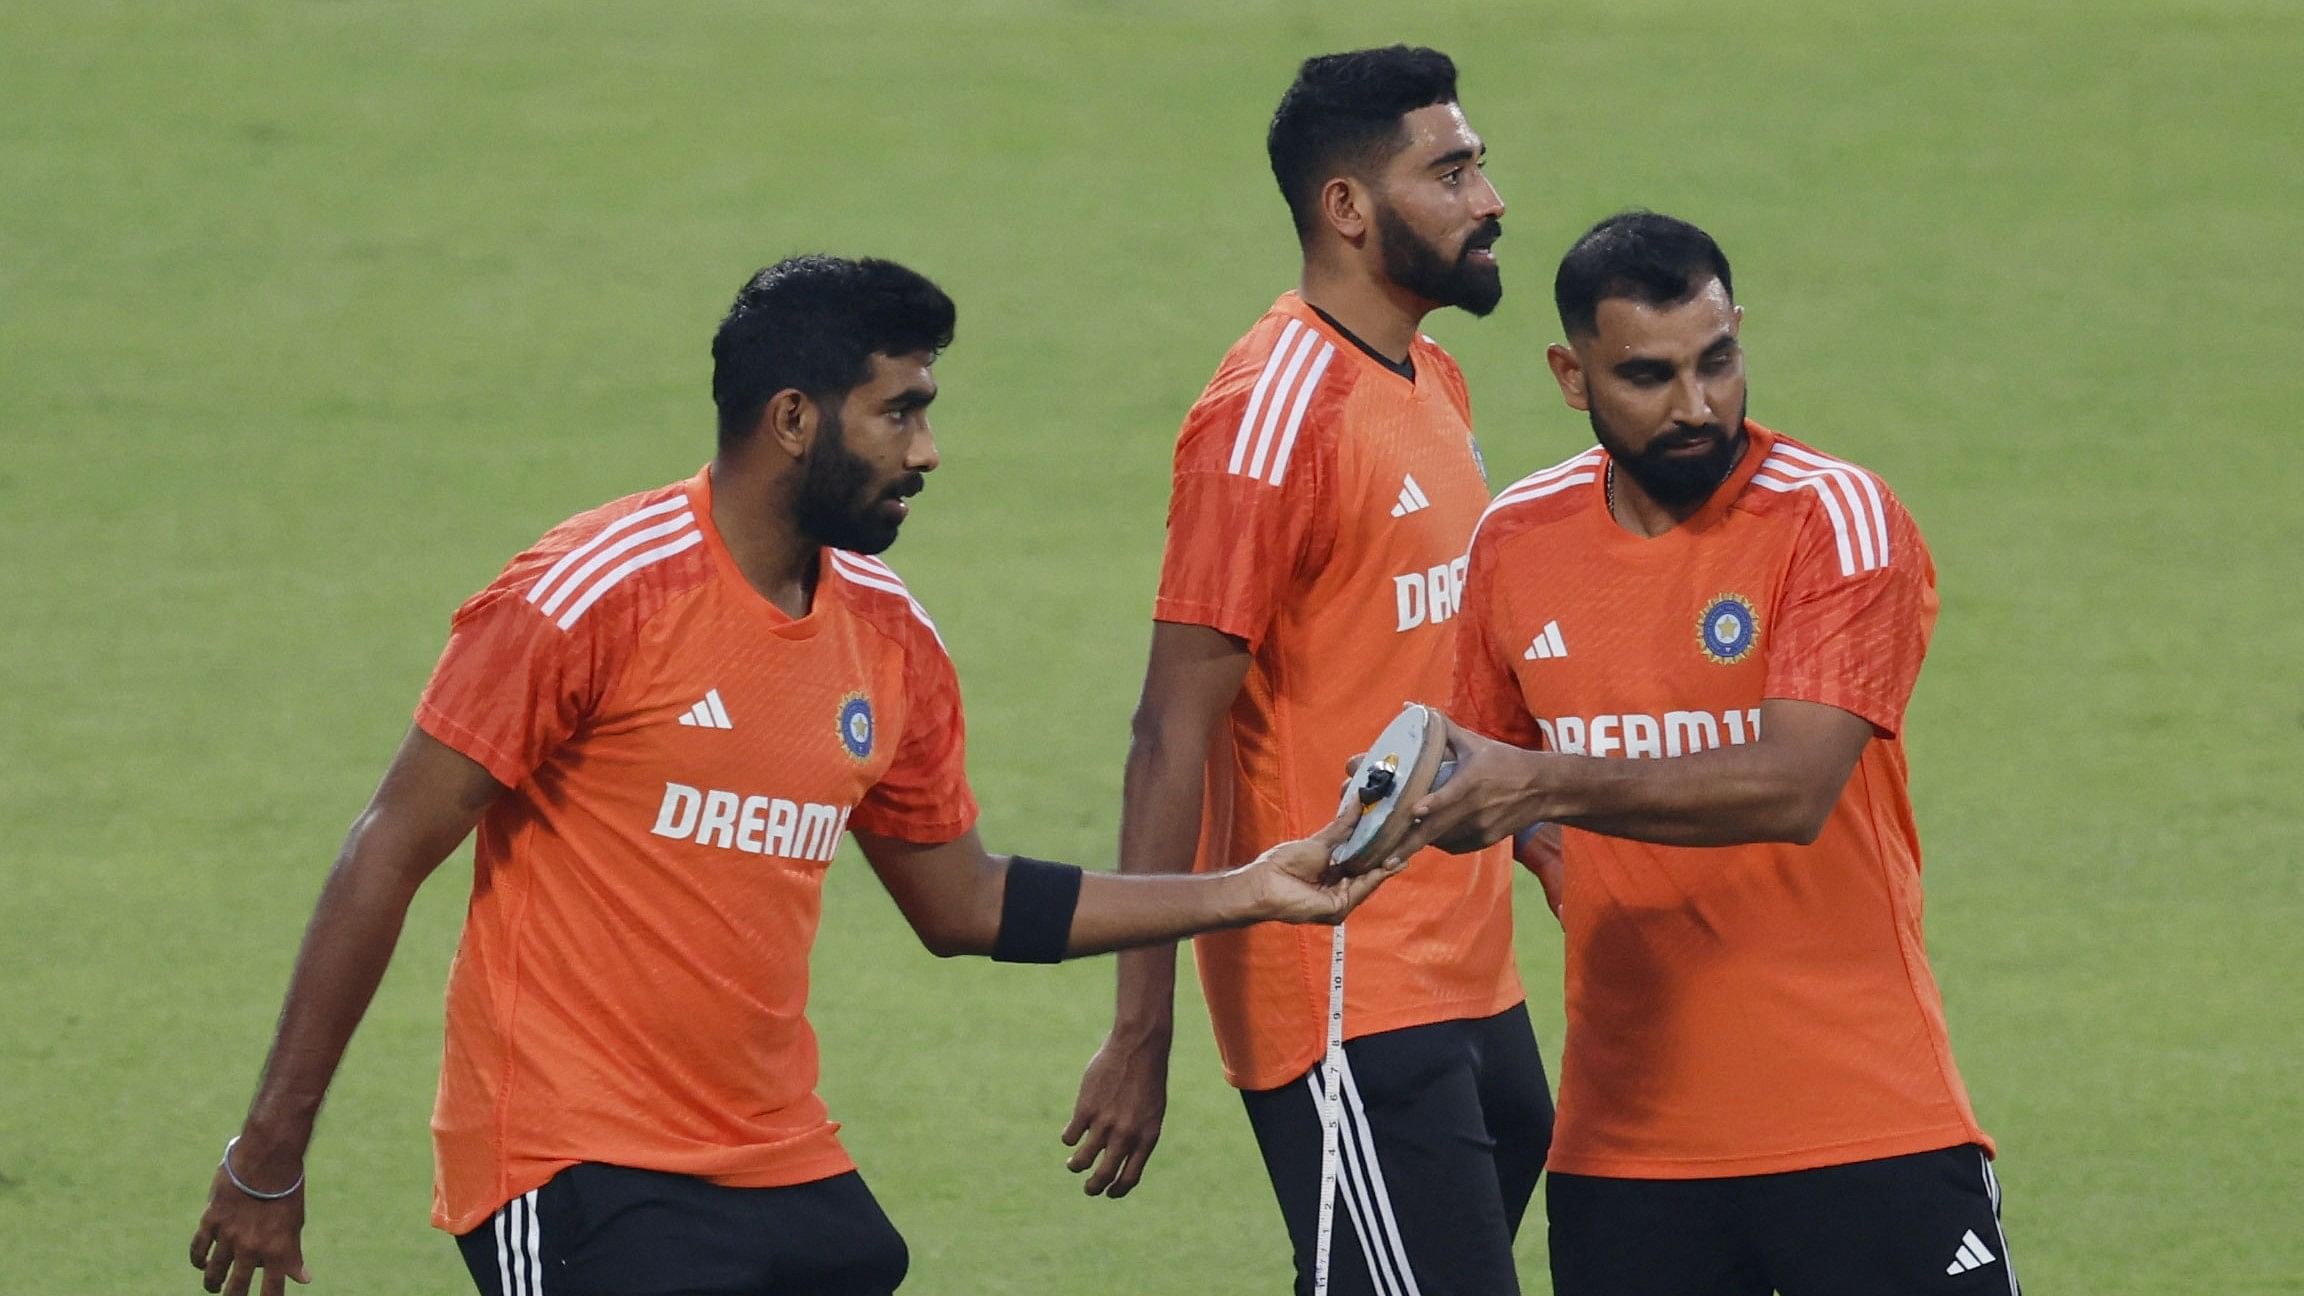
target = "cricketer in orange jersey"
x: 1693, y: 647
x: 661, y: 719
x: 1325, y: 485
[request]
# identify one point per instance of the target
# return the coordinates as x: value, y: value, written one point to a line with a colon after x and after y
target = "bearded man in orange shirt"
x: 1692, y: 646
x: 1325, y: 485
x: 661, y: 718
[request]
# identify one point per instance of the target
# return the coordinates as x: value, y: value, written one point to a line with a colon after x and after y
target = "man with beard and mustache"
x: 1325, y: 485
x: 1757, y: 1090
x: 661, y: 717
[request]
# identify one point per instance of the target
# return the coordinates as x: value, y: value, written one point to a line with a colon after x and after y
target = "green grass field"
x: 313, y: 312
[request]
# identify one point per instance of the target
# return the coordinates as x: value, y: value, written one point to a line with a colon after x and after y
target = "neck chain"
x: 1608, y: 486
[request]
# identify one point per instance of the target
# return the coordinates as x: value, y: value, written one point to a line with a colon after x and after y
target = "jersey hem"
x: 1909, y: 1143
x: 803, y: 1171
x: 1294, y: 1066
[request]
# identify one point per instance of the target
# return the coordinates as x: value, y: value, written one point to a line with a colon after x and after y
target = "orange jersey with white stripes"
x: 1743, y: 1009
x: 682, y: 759
x: 1320, y: 510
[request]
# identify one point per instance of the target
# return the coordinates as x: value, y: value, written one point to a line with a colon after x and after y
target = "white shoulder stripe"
x: 1851, y: 500
x: 868, y: 563
x: 610, y: 553
x: 1582, y: 465
x: 688, y: 539
x: 1579, y: 471
x: 854, y: 568
x: 1842, y: 491
x: 1783, y: 486
x: 1280, y: 394
x: 1573, y: 463
x: 1272, y: 366
x: 1296, y: 412
x: 1847, y: 472
x: 576, y: 555
x: 1538, y: 490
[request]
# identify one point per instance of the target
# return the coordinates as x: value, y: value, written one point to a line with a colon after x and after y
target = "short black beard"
x: 1426, y: 271
x: 834, y: 509
x: 1679, y: 483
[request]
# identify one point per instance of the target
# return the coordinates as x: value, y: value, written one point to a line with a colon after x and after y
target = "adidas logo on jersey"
x: 709, y: 713
x: 1973, y: 1254
x: 1412, y: 497
x: 1547, y: 644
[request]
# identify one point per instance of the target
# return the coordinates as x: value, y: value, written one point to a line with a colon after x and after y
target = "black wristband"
x: 1036, y: 911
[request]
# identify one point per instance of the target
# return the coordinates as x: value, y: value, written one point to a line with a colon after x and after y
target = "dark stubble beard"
x: 1431, y: 274
x: 1678, y: 482
x: 837, y: 507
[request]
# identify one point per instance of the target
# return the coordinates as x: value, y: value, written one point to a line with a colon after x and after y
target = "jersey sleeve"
x: 1247, y: 515
x: 1486, y: 695
x: 924, y: 795
x: 1854, y: 622
x: 511, y: 685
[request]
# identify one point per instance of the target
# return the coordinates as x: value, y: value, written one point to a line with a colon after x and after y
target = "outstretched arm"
x: 1780, y: 787
x: 429, y: 799
x: 955, y: 894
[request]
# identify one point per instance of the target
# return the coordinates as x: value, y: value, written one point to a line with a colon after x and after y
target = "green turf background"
x: 313, y: 312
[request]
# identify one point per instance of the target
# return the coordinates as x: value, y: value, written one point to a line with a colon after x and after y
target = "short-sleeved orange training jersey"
x: 682, y: 760
x: 1745, y: 1009
x: 1321, y: 506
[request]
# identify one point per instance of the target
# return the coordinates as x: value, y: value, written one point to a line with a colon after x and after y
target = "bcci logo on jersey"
x: 1727, y: 629
x: 856, y: 725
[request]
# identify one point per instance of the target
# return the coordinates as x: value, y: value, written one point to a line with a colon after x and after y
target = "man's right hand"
x: 429, y: 800
x: 240, y: 1235
x: 1116, y: 1120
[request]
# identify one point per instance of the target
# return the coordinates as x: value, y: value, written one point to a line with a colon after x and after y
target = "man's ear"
x: 1568, y: 371
x: 788, y: 421
x: 1347, y: 207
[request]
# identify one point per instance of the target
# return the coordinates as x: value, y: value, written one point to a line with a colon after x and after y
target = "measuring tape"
x: 1332, y: 1114
x: 1407, y: 760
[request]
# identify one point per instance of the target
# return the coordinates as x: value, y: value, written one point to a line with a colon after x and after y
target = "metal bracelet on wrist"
x: 242, y: 1184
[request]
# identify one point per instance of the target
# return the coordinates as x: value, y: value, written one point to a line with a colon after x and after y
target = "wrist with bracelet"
x: 242, y: 1184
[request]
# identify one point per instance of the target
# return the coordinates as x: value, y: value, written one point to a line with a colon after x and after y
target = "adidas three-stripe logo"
x: 1547, y: 644
x: 709, y: 713
x: 1973, y: 1254
x: 1412, y: 497
x: 1276, y: 406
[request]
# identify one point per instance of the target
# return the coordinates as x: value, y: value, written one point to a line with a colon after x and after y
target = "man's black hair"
x: 1649, y: 258
x: 1343, y: 114
x: 812, y: 324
